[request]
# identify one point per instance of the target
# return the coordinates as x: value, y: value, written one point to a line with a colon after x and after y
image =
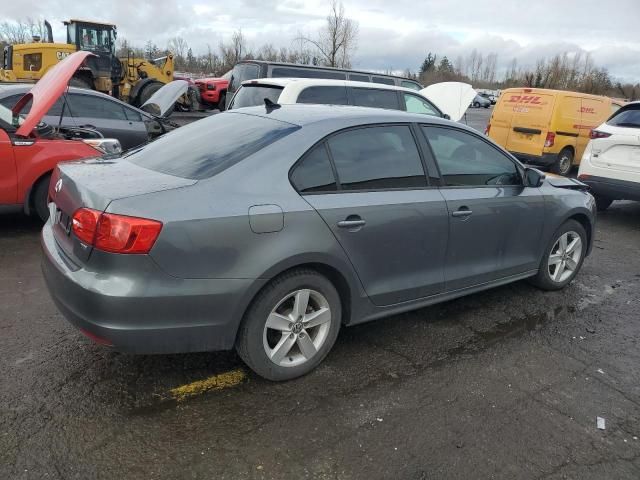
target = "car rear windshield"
x: 254, y: 95
x: 207, y: 147
x: 626, y: 117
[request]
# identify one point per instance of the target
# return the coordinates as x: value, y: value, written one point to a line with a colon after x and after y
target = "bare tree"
x: 15, y: 32
x: 336, y: 42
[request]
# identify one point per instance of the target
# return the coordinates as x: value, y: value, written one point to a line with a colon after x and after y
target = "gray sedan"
x: 267, y: 229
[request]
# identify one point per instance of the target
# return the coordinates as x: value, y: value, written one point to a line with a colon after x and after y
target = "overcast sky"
x: 394, y: 34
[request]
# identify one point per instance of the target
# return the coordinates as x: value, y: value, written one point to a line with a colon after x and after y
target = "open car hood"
x: 452, y: 98
x: 162, y: 101
x: 47, y: 91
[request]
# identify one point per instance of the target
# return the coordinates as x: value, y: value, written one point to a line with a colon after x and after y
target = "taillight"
x: 115, y: 233
x: 550, y: 140
x: 593, y: 134
x: 487, y: 129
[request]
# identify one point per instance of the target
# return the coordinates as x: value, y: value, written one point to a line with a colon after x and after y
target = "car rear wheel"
x: 41, y: 196
x: 602, y: 203
x: 291, y: 326
x: 221, y: 101
x: 563, y: 257
x: 564, y: 162
x: 476, y: 104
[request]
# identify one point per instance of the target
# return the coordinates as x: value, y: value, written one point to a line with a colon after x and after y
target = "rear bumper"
x: 544, y: 160
x: 613, y: 188
x: 150, y: 312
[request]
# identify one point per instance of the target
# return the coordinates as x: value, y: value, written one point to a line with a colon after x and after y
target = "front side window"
x: 385, y: 80
x: 417, y: 104
x: 377, y: 158
x: 242, y: 72
x: 95, y: 107
x: 467, y: 161
x: 314, y: 174
x: 252, y: 95
x: 324, y: 95
x: 370, y: 97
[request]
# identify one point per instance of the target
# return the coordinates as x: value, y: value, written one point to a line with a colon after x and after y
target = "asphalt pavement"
x: 506, y: 383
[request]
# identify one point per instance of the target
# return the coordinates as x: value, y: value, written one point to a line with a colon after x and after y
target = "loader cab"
x: 99, y: 39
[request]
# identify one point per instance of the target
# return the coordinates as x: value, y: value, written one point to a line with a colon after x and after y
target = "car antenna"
x: 271, y: 105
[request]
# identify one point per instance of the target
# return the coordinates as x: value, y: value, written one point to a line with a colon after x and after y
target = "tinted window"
x: 209, y: 146
x: 325, y: 95
x: 369, y: 97
x: 377, y: 158
x: 242, y: 72
x: 95, y: 107
x: 359, y: 78
x: 132, y: 115
x: 626, y: 117
x: 252, y: 95
x: 290, y: 72
x: 466, y: 160
x: 411, y: 85
x: 416, y: 104
x: 10, y: 102
x: 313, y: 173
x: 386, y: 81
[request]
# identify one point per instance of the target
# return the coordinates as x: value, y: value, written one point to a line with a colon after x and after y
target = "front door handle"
x: 352, y: 221
x: 462, y: 212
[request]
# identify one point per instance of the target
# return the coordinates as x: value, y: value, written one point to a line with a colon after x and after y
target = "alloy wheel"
x: 565, y: 257
x: 564, y: 164
x: 297, y: 328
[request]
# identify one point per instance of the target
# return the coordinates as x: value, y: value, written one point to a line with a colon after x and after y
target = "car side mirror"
x: 533, y: 177
x: 446, y: 116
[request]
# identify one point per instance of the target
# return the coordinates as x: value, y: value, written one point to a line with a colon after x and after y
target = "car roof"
x: 298, y: 84
x: 341, y: 116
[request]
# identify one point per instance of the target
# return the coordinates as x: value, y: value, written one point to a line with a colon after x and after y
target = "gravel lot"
x: 503, y: 384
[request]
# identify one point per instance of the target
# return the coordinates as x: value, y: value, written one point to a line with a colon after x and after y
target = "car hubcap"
x: 297, y: 328
x: 565, y: 164
x: 565, y: 257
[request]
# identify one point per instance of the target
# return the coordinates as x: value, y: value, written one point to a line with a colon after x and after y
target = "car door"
x: 495, y: 223
x: 109, y: 117
x: 390, y: 223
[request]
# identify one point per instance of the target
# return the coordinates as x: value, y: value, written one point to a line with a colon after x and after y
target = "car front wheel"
x: 291, y: 326
x: 563, y: 257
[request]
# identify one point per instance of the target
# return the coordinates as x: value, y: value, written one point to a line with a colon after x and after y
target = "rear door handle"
x: 463, y: 212
x: 352, y: 221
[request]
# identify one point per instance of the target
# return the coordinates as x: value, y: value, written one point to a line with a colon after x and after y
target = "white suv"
x: 611, y: 162
x: 448, y: 100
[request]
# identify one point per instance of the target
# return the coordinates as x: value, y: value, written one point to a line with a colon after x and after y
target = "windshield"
x: 626, y: 117
x: 207, y: 147
x: 254, y: 95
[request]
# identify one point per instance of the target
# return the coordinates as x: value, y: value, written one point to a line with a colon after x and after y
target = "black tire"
x: 476, y: 104
x: 40, y: 198
x: 80, y: 83
x: 543, y: 278
x: 487, y: 106
x: 563, y: 163
x: 602, y: 203
x: 249, y: 342
x: 222, y: 101
x: 147, y: 91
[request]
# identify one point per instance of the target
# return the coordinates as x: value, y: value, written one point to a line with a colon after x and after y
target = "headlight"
x: 108, y: 146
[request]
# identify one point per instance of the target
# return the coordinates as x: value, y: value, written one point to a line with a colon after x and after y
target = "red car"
x: 30, y: 149
x: 213, y: 91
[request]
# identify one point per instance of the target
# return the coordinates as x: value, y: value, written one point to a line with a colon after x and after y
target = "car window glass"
x: 10, y: 102
x: 359, y: 78
x: 290, y: 72
x: 95, y: 107
x: 466, y: 160
x: 132, y: 115
x: 242, y: 72
x: 370, y: 97
x: 416, y: 104
x: 377, y: 158
x: 324, y: 95
x: 253, y: 95
x: 314, y: 173
x: 385, y: 80
x: 626, y: 117
x: 411, y: 85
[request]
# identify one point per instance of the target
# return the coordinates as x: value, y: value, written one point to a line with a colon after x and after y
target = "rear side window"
x: 385, y: 80
x: 324, y: 95
x: 370, y: 97
x: 377, y: 158
x: 242, y: 72
x: 314, y: 173
x: 204, y: 148
x: 626, y: 117
x: 253, y: 95
x: 466, y: 160
x: 291, y: 72
x: 359, y: 78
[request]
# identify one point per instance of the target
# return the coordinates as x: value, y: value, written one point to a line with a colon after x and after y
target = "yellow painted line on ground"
x: 216, y: 382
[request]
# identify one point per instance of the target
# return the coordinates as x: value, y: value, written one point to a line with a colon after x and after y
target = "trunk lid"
x: 95, y: 183
x: 620, y: 151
